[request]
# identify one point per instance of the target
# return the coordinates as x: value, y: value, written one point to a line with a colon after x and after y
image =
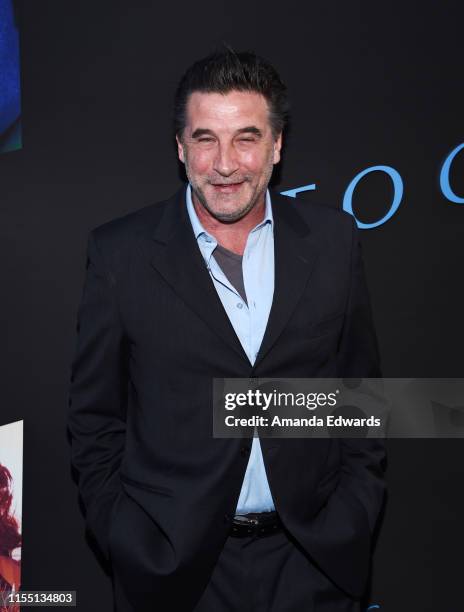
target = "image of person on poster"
x: 10, y: 539
x: 10, y: 99
x: 225, y: 279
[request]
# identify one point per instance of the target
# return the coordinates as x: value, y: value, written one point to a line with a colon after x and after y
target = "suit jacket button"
x: 244, y: 451
x: 227, y: 518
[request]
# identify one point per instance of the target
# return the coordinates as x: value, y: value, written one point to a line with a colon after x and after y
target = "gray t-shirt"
x: 231, y: 264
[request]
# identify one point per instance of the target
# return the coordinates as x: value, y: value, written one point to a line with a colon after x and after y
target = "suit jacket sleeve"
x: 363, y: 460
x: 345, y: 524
x: 98, y: 396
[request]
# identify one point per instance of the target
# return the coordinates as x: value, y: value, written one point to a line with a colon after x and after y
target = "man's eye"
x: 205, y: 140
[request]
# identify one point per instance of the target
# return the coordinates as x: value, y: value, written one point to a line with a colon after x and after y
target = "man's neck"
x: 232, y: 236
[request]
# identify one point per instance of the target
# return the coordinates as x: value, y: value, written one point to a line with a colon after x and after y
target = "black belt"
x: 255, y: 523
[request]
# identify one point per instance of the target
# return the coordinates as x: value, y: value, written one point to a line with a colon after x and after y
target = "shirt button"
x: 240, y: 305
x: 208, y: 239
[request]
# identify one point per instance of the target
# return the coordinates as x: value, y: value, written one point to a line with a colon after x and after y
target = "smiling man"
x: 229, y: 163
x: 225, y: 279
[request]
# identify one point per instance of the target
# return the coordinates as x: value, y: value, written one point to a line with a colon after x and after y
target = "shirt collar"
x: 198, y: 228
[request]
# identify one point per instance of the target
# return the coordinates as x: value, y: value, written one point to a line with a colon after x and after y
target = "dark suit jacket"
x: 159, y: 490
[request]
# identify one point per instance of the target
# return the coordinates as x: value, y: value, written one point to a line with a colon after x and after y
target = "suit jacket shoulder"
x: 118, y: 231
x: 327, y: 225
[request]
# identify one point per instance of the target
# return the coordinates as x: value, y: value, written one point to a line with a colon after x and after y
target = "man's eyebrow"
x: 251, y: 129
x: 202, y: 132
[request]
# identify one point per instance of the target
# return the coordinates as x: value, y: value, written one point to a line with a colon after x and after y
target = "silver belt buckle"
x: 244, y: 520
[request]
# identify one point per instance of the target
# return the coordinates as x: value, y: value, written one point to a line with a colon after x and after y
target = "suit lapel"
x: 174, y: 253
x: 294, y: 258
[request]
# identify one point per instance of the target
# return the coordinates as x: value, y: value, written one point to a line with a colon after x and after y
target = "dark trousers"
x: 270, y: 574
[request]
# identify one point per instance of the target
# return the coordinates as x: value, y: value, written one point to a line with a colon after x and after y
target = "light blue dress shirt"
x: 249, y: 322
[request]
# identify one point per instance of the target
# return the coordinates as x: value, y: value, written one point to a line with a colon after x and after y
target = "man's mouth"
x: 227, y: 187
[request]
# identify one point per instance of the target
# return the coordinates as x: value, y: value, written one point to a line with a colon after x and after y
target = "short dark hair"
x: 225, y: 71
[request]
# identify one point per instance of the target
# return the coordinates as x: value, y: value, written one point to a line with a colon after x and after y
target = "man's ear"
x: 277, y: 148
x: 180, y: 149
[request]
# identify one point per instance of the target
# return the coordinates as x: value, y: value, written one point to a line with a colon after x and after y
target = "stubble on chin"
x: 224, y: 215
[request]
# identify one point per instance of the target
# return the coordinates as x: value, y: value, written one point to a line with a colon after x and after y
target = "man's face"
x: 229, y: 151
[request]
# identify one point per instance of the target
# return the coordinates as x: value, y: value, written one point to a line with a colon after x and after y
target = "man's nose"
x: 226, y: 161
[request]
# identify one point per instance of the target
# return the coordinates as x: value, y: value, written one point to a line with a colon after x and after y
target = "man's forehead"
x: 232, y: 107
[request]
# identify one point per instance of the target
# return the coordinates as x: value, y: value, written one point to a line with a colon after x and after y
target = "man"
x: 226, y: 280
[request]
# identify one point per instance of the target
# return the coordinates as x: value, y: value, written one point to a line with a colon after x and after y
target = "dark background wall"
x: 371, y: 83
